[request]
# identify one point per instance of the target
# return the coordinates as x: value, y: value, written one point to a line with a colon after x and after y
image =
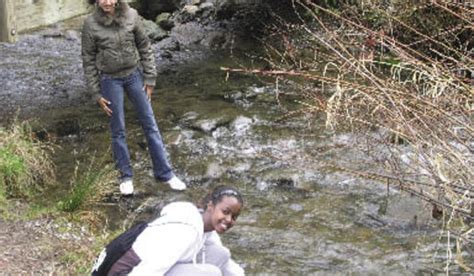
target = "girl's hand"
x: 104, y: 104
x: 148, y: 89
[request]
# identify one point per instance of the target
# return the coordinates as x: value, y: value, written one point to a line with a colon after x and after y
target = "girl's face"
x: 108, y: 6
x: 222, y: 216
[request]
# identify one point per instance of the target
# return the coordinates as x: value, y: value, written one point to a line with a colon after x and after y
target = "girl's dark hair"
x: 91, y: 2
x: 218, y: 193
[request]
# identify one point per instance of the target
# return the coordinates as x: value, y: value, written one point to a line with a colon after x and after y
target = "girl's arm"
x: 89, y: 52
x: 145, y: 50
x: 218, y: 253
x: 160, y: 247
x: 231, y: 268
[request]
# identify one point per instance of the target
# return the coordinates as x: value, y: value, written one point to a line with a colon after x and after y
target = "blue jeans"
x: 113, y: 89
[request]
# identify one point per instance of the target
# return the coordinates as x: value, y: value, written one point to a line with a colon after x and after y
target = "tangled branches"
x: 404, y: 72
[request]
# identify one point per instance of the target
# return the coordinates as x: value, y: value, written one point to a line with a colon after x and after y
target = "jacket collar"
x: 118, y: 18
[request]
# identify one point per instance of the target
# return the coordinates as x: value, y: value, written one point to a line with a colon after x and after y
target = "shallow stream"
x: 301, y: 217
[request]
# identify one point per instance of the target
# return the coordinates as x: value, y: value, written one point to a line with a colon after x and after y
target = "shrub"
x: 402, y: 73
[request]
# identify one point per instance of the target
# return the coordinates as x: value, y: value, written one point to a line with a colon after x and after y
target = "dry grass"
x: 25, y: 163
x: 26, y: 171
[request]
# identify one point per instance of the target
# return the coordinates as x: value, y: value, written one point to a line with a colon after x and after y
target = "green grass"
x: 88, y: 185
x: 11, y: 165
x: 79, y: 193
x: 25, y: 164
x: 27, y: 171
x: 27, y: 179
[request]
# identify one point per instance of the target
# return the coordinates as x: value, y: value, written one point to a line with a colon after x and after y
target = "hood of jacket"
x: 118, y: 18
x: 181, y: 212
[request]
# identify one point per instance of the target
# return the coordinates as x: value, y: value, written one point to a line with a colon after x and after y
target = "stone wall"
x: 23, y: 15
x: 31, y: 14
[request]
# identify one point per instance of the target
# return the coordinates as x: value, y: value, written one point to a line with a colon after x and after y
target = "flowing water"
x: 300, y: 217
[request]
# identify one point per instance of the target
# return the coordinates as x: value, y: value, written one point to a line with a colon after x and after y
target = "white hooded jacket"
x: 179, y: 233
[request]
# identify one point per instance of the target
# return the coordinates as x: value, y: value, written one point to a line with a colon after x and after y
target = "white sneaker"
x: 176, y: 184
x: 126, y: 187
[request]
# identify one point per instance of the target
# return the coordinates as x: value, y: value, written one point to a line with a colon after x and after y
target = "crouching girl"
x: 184, y: 240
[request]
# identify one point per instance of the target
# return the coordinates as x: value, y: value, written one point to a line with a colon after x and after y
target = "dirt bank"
x: 43, y: 247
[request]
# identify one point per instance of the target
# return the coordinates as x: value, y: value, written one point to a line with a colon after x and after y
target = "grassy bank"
x: 25, y: 164
x: 66, y: 234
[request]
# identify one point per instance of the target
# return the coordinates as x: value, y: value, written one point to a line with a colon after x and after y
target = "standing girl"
x: 117, y: 60
x: 179, y: 239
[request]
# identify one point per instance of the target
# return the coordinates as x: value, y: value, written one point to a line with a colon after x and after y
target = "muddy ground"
x: 42, y: 246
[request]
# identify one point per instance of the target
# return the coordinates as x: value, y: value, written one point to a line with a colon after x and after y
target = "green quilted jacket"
x: 115, y: 45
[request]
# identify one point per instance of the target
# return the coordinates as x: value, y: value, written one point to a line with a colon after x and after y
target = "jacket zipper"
x: 120, y: 44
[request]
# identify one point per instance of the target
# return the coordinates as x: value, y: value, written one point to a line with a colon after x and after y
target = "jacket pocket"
x: 108, y: 61
x: 129, y: 48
